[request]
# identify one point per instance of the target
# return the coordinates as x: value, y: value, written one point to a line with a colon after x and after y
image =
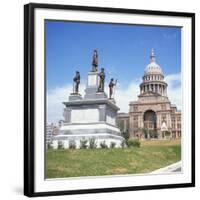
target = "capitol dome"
x: 153, y: 67
x: 153, y: 79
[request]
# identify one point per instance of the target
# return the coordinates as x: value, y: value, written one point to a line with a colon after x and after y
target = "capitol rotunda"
x: 153, y: 112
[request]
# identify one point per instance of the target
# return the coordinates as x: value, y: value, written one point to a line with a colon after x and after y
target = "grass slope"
x: 150, y: 156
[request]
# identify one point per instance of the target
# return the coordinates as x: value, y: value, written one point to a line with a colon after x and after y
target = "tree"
x: 121, y: 126
x: 145, y: 132
x: 153, y: 134
x: 167, y: 134
x: 126, y: 134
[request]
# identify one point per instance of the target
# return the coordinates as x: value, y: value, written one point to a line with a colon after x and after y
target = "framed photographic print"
x: 109, y: 99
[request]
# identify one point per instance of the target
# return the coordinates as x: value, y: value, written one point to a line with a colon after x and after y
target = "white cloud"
x: 55, y: 97
x: 174, y: 89
x: 130, y: 93
x: 123, y: 95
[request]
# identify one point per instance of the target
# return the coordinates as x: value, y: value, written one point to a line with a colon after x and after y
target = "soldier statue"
x: 95, y: 61
x: 111, y: 86
x: 77, y: 82
x: 102, y: 80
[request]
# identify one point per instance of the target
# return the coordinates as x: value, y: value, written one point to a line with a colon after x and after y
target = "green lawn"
x: 150, y: 156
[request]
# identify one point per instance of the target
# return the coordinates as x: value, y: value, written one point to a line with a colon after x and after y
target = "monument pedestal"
x: 75, y: 97
x: 91, y: 91
x: 100, y: 132
x: 91, y: 117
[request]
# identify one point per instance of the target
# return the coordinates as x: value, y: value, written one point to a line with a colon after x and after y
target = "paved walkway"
x: 175, y: 167
x: 177, y: 170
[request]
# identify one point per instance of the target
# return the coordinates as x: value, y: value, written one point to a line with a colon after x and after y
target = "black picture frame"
x: 29, y: 81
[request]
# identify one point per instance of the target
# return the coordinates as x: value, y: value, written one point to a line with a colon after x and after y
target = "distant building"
x: 153, y: 113
x: 175, y: 122
x: 56, y: 130
x: 49, y: 133
x: 123, y: 121
x: 52, y: 129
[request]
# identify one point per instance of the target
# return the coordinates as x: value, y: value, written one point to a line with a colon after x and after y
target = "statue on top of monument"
x: 102, y: 80
x: 111, y: 87
x: 95, y: 61
x: 76, y: 80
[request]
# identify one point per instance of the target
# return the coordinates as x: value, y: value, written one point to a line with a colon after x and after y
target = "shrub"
x: 49, y: 146
x: 103, y: 145
x: 126, y: 134
x: 60, y: 145
x: 83, y: 144
x: 112, y: 145
x: 123, y: 144
x: 133, y: 143
x: 72, y: 144
x: 92, y: 143
x: 153, y: 134
x: 167, y: 133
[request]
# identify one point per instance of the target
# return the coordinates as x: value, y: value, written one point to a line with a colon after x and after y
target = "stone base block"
x: 92, y: 93
x: 101, y: 133
x: 75, y: 96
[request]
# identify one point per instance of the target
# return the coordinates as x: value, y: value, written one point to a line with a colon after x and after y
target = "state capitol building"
x: 152, y: 115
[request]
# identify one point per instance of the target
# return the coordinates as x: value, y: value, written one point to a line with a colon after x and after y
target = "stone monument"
x: 91, y: 117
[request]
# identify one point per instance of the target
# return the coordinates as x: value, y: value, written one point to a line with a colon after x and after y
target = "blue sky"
x: 123, y: 51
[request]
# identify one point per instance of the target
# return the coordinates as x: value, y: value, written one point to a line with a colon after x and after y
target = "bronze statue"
x: 95, y: 61
x: 111, y: 86
x: 77, y: 82
x: 102, y: 80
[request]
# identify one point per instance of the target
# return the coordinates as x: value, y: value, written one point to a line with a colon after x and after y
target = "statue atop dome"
x: 152, y: 57
x: 153, y: 67
x: 153, y: 79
